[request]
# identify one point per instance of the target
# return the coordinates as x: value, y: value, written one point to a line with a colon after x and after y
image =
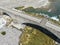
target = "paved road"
x: 48, y: 24
x: 20, y: 14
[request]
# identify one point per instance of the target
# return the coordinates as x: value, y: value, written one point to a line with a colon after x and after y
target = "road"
x: 26, y: 18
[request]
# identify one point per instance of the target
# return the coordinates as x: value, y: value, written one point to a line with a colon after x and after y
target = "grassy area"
x: 54, y: 22
x: 19, y: 8
x: 33, y: 36
x: 35, y: 15
x: 3, y: 32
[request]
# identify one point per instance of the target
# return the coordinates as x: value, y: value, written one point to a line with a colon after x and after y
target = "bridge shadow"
x: 43, y: 30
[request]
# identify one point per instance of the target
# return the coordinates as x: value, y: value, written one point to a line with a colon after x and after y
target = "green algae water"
x: 38, y: 10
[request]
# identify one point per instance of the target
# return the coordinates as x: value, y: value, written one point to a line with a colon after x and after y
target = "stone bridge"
x: 22, y: 17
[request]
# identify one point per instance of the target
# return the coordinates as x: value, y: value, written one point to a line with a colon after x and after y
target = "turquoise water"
x: 55, y: 6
